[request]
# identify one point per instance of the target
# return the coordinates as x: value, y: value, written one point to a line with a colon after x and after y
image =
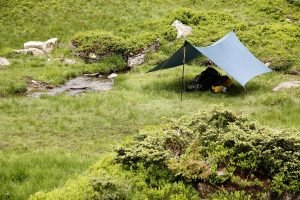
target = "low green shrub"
x: 220, y: 147
x: 98, y: 42
x: 105, y: 45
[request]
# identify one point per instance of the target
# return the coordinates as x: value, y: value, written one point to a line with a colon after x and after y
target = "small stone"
x: 34, y: 82
x: 268, y: 64
x: 30, y: 51
x: 4, y: 62
x: 221, y: 172
x: 113, y: 75
x: 286, y: 85
x: 68, y: 61
x: 91, y: 75
x: 93, y: 56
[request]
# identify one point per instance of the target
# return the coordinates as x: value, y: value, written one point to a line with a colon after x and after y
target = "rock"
x: 68, y: 61
x: 50, y: 45
x: 37, y: 85
x: 221, y: 172
x: 136, y: 60
x: 47, y: 46
x: 92, y: 75
x: 286, y: 85
x: 34, y: 44
x: 4, y: 62
x: 31, y: 51
x: 182, y: 30
x: 113, y: 75
x: 93, y: 56
x: 267, y: 64
x: 294, y: 72
x: 34, y: 82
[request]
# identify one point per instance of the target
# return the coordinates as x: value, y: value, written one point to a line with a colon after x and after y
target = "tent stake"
x: 182, y: 78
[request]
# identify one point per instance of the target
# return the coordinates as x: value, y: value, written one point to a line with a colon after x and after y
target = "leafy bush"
x: 99, y: 43
x: 219, y: 148
x: 106, y: 44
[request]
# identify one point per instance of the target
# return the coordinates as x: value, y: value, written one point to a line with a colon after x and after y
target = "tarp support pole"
x: 182, y: 78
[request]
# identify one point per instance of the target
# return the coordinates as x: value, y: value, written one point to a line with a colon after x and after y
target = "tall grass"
x: 24, y: 173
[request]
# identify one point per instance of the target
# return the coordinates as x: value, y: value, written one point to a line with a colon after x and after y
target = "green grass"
x: 43, y: 142
x: 89, y: 126
x: 23, y: 173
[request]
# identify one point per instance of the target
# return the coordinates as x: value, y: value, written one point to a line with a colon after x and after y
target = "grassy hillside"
x: 43, y: 142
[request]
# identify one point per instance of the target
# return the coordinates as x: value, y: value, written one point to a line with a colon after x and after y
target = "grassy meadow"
x: 44, y: 142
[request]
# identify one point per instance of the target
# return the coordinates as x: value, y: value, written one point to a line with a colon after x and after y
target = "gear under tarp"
x: 228, y: 53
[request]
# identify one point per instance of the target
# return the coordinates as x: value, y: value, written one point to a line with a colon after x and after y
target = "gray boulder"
x: 33, y: 44
x: 112, y: 76
x: 38, y: 48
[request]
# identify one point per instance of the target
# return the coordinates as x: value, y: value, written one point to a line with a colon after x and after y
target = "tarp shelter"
x: 228, y: 53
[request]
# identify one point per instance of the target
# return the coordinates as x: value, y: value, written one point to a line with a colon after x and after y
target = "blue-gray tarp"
x: 228, y: 53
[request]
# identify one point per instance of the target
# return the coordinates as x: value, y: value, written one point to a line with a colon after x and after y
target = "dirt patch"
x: 73, y: 87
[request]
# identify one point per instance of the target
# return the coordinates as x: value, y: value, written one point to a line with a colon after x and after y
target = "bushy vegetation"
x: 216, y: 148
x: 275, y: 41
x: 219, y: 148
x: 105, y: 44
